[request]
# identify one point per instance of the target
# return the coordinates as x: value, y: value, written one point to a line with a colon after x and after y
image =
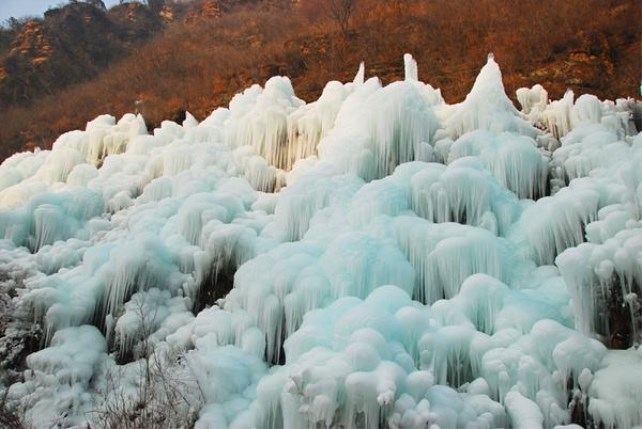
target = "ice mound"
x: 59, y: 376
x: 374, y: 258
x: 618, y: 378
x: 51, y: 217
x: 357, y: 371
x: 349, y: 363
x: 487, y: 107
x: 279, y: 287
x: 312, y: 122
x: 378, y: 128
x: 561, y: 116
x: 259, y: 118
x: 604, y: 280
x: 463, y: 192
x: 513, y: 159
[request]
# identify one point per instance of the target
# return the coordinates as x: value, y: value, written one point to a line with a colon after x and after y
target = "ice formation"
x: 375, y: 258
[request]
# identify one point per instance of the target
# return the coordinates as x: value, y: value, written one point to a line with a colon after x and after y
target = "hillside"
x: 204, y: 57
x: 70, y: 44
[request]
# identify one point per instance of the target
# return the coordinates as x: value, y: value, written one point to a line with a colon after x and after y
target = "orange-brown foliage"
x: 588, y: 45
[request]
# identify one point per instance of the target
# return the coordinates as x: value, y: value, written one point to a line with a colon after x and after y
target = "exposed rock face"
x: 73, y: 43
x: 70, y: 44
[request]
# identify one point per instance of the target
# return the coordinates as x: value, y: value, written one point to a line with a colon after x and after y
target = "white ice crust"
x: 375, y: 258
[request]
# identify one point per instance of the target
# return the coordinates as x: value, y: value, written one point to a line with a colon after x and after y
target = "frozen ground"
x: 376, y: 258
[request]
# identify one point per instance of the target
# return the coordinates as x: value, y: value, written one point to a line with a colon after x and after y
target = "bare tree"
x: 341, y: 11
x: 9, y: 418
x: 156, y: 6
x: 167, y: 391
x: 166, y: 396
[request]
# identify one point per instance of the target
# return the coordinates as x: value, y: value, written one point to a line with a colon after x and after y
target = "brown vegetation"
x: 68, y: 45
x: 198, y: 64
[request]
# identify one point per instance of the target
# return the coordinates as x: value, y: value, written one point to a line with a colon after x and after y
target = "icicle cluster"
x: 375, y: 258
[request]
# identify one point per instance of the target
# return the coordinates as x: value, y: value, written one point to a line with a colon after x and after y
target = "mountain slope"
x: 199, y: 62
x: 68, y: 45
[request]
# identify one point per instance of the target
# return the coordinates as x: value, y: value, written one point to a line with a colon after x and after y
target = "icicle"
x: 557, y: 116
x: 463, y: 192
x: 554, y: 224
x: 513, y: 159
x: 604, y: 281
x: 533, y: 101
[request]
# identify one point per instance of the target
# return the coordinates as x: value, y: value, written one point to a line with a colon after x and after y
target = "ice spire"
x: 361, y: 73
x: 488, y: 107
x: 190, y: 121
x: 410, y: 67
